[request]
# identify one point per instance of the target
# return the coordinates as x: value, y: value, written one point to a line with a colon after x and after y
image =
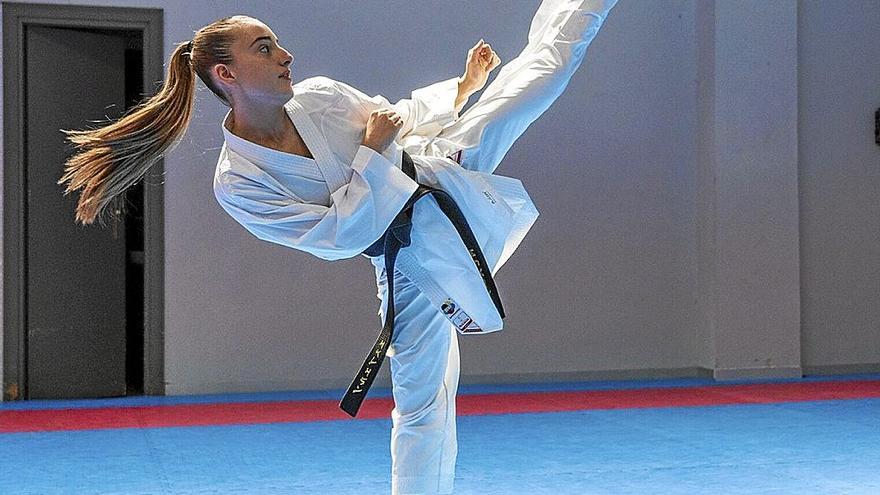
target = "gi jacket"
x: 336, y: 205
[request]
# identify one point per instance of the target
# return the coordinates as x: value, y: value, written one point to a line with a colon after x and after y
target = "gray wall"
x: 839, y: 86
x: 707, y: 185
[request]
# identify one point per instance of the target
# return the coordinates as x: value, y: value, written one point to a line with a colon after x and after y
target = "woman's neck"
x: 266, y: 125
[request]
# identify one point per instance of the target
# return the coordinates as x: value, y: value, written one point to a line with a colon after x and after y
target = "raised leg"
x: 424, y: 375
x: 560, y: 33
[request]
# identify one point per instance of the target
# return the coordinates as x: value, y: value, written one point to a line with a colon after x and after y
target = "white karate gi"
x: 336, y: 205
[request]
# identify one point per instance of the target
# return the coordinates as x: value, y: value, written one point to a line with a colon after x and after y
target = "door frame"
x: 16, y: 18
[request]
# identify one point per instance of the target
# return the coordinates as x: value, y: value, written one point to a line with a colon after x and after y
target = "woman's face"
x: 261, y: 68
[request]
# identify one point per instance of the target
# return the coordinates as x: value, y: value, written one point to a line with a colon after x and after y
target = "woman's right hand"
x: 382, y: 127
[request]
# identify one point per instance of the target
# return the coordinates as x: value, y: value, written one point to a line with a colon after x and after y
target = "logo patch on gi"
x: 455, y: 314
x: 456, y: 157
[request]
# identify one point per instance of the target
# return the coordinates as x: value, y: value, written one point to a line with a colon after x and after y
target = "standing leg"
x: 424, y: 375
x: 525, y: 87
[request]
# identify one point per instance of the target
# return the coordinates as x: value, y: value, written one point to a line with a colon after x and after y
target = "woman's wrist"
x: 466, y: 87
x: 465, y: 90
x: 373, y: 146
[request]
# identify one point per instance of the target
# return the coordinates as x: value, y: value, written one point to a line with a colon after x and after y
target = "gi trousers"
x: 525, y: 87
x: 424, y: 354
x: 424, y: 379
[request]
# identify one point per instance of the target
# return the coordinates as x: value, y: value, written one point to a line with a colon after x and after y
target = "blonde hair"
x: 111, y: 159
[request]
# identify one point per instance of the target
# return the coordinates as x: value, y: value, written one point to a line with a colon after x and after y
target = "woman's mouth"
x: 286, y: 75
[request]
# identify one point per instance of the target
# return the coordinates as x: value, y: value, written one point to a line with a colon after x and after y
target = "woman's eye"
x: 266, y: 47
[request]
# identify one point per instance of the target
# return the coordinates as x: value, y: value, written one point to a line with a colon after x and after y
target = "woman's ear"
x: 223, y: 74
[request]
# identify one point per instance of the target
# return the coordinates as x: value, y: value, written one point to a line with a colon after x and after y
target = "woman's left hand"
x: 480, y: 62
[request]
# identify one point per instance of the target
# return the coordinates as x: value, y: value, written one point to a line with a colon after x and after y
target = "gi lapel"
x: 331, y: 169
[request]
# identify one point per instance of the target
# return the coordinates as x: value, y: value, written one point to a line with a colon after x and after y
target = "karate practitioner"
x: 317, y: 166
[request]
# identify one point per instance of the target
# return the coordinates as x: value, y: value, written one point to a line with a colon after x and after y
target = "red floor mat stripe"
x: 467, y: 405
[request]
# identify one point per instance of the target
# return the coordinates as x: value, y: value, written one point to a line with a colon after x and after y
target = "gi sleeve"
x: 359, y: 212
x: 426, y: 113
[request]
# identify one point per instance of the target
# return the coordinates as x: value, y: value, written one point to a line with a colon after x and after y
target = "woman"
x: 318, y: 166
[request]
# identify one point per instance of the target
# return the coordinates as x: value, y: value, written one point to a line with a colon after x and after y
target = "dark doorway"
x: 86, y: 321
x: 76, y: 276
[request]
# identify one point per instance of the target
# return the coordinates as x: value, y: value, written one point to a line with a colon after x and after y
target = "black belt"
x: 396, y: 237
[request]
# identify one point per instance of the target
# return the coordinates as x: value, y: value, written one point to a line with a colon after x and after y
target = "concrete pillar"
x: 748, y: 188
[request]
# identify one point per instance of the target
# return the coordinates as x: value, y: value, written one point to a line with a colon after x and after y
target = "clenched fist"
x: 481, y: 60
x: 382, y: 127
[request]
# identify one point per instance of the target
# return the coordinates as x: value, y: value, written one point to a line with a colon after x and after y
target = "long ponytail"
x: 111, y: 159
